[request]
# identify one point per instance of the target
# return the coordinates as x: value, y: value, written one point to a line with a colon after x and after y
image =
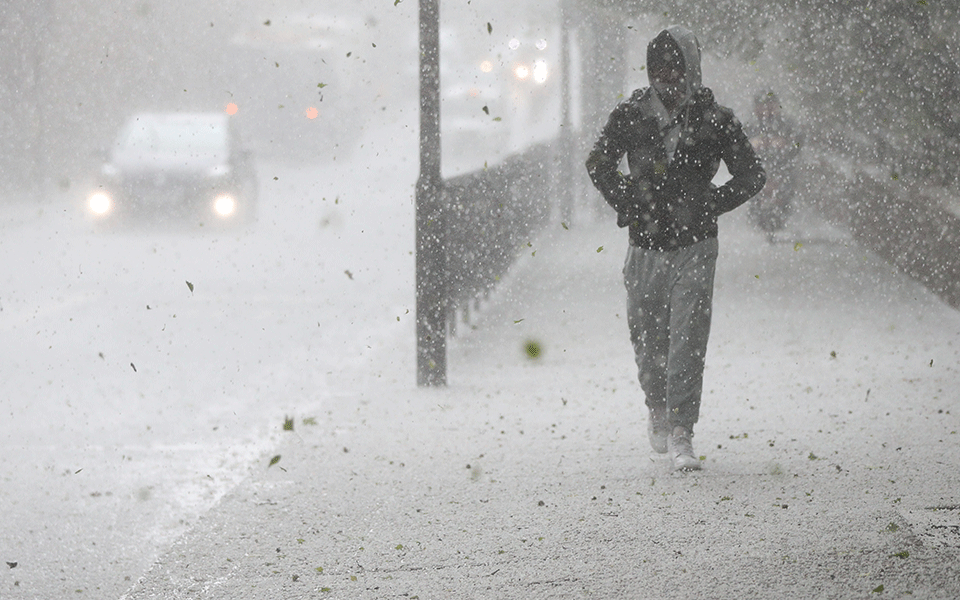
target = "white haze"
x: 145, y: 371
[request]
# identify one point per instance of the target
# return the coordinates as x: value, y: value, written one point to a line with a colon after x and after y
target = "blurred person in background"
x: 778, y: 142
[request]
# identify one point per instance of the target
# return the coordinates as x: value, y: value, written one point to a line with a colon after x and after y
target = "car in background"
x: 179, y: 165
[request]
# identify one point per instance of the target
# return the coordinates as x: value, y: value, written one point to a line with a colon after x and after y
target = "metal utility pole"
x: 566, y: 180
x: 431, y: 271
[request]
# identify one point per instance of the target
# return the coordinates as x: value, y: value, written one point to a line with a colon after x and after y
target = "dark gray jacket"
x: 670, y: 202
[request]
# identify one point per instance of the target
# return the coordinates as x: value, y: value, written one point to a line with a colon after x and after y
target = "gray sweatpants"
x: 669, y: 303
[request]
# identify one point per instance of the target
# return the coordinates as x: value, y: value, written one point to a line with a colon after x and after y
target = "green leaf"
x: 600, y: 249
x: 489, y: 28
x: 533, y: 349
x: 190, y: 286
x: 274, y: 461
x: 288, y: 423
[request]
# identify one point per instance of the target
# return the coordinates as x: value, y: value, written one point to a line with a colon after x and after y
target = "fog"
x: 150, y: 363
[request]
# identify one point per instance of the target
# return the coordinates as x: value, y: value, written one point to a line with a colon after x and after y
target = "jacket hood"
x: 683, y: 40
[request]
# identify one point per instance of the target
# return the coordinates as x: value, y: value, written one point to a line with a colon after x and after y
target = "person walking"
x: 674, y: 136
x: 777, y: 139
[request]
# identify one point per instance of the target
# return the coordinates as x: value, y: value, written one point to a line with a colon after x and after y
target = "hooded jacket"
x: 668, y: 199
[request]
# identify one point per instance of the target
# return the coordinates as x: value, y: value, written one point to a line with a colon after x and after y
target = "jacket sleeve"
x: 746, y: 171
x: 619, y: 190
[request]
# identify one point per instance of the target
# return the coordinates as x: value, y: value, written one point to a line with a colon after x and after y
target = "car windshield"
x: 189, y: 135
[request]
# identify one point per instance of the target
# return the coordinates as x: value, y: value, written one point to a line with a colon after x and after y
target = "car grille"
x: 161, y: 189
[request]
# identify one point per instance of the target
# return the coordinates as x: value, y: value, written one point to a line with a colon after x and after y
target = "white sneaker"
x: 680, y: 446
x: 658, y: 429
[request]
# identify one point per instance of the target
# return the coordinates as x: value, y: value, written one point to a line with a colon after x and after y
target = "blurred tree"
x: 879, y: 79
x: 23, y: 26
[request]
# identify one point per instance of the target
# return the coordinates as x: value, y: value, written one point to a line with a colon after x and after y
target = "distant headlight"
x: 540, y: 71
x: 521, y: 72
x: 224, y: 205
x: 219, y: 170
x: 100, y: 203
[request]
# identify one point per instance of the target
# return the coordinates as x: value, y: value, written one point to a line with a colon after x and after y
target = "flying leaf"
x: 134, y: 367
x: 486, y: 109
x: 533, y: 349
x: 288, y: 423
x: 600, y: 249
x: 274, y: 461
x: 489, y: 28
x: 190, y: 286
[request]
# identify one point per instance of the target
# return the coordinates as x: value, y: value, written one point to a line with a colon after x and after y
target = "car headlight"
x: 224, y: 205
x: 540, y: 71
x: 100, y: 202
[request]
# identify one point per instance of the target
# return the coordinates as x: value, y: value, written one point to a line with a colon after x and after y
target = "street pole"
x: 431, y: 271
x: 566, y: 180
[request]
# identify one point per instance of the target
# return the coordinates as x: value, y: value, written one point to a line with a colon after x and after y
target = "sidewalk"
x: 829, y: 435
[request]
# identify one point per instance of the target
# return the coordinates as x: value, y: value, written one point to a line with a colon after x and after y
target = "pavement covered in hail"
x: 828, y: 438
